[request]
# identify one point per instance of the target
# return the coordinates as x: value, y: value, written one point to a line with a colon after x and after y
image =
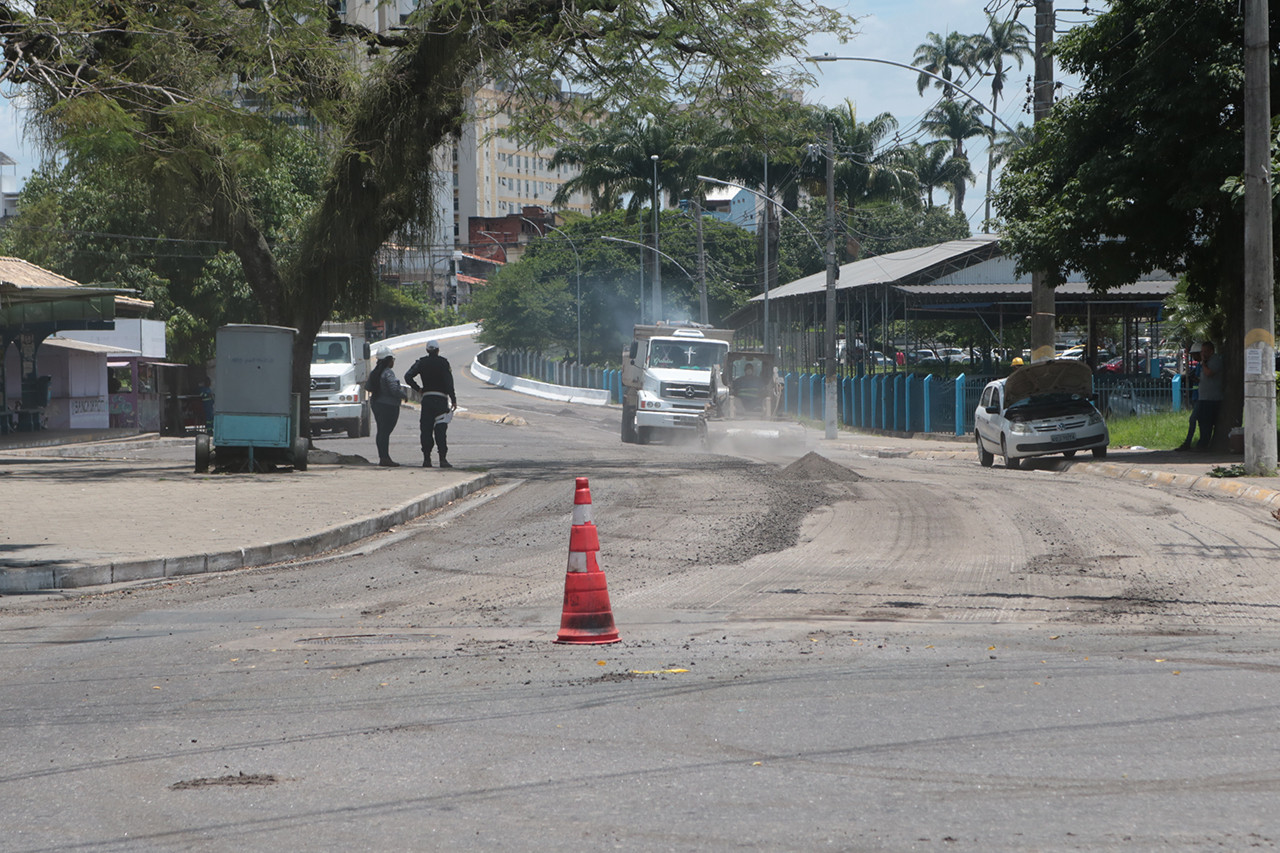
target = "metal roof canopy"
x: 969, y: 279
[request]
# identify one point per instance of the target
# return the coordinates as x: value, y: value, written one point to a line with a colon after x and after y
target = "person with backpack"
x: 385, y: 398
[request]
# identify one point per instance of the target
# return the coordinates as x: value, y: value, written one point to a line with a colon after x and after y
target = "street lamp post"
x: 577, y: 269
x: 657, y: 267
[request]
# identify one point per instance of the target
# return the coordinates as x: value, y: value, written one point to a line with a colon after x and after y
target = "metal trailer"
x: 255, y: 413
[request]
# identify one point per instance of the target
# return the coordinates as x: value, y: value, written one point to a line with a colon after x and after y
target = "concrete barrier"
x: 545, y: 390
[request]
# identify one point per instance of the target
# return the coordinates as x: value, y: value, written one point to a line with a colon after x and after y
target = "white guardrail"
x: 545, y: 390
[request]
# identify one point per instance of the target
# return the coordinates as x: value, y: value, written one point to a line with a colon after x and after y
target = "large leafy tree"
x: 1135, y: 172
x: 185, y: 97
x: 533, y: 304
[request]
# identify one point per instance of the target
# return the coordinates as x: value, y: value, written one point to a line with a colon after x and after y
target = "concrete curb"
x: 1192, y: 482
x: 42, y: 578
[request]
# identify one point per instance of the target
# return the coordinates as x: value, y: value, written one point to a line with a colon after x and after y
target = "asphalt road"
x: 835, y: 651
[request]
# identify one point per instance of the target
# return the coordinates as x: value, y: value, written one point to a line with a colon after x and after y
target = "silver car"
x: 1039, y: 410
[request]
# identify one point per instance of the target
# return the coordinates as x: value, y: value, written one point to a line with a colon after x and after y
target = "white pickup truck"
x: 339, y: 368
x: 666, y: 378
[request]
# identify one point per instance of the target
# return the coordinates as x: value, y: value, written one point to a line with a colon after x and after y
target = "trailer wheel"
x: 204, y: 452
x: 300, y: 454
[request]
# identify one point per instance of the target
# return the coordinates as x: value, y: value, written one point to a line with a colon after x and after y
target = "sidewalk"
x: 129, y: 507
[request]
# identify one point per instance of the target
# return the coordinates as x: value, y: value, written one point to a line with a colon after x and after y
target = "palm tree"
x: 934, y: 167
x: 866, y: 169
x: 956, y: 122
x: 1002, y: 39
x: 943, y: 57
x: 613, y: 162
x: 1008, y: 142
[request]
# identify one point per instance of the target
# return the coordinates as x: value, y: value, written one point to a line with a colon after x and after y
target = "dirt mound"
x: 816, y: 467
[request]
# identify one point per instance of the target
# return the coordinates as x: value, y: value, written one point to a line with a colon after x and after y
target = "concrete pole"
x: 702, y: 268
x: 831, y: 397
x: 1259, y: 273
x: 1043, y: 309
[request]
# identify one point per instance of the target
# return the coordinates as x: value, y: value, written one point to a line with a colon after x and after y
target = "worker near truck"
x: 747, y: 387
x: 386, y: 395
x: 438, y: 401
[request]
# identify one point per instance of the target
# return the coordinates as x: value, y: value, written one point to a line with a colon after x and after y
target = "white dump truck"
x: 339, y: 368
x: 667, y: 378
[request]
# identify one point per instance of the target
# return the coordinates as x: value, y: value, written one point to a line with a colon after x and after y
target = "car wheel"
x: 985, y: 457
x: 1009, y: 462
x: 1070, y: 454
x: 1100, y: 453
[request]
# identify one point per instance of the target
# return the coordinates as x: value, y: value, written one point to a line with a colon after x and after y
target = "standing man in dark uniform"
x: 438, y: 401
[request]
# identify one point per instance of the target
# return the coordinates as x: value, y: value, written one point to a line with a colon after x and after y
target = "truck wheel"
x: 300, y: 454
x: 364, y: 423
x: 644, y: 435
x: 353, y: 428
x: 629, y: 425
x: 204, y: 452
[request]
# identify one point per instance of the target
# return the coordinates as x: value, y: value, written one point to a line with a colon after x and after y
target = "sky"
x: 888, y: 29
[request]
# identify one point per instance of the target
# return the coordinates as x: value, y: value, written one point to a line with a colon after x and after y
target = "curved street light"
x: 656, y: 251
x: 489, y: 234
x: 577, y: 267
x: 826, y: 57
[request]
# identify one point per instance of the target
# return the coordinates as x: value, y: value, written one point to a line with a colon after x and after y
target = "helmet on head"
x: 1017, y: 361
x: 433, y: 345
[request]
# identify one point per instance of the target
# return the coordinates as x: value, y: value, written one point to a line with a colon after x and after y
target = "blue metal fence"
x: 901, y: 402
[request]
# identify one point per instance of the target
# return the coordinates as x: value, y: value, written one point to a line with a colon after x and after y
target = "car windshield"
x: 687, y: 356
x: 331, y: 351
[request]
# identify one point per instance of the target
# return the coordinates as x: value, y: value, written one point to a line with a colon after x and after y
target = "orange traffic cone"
x: 587, y: 617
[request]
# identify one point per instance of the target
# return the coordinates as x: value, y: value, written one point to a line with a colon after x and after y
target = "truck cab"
x: 667, y: 378
x: 339, y: 368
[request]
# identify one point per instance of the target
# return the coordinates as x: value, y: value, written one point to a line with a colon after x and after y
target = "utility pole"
x: 702, y: 268
x: 829, y: 418
x: 1259, y: 273
x: 1043, y: 310
x: 767, y: 204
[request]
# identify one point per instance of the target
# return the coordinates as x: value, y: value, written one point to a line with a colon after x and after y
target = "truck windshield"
x: 331, y: 351
x: 687, y: 356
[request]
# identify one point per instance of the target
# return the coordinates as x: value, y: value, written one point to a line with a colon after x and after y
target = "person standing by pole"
x: 386, y: 396
x: 438, y: 401
x: 1206, y: 411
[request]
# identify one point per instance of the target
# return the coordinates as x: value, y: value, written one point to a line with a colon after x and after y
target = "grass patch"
x: 1160, y: 431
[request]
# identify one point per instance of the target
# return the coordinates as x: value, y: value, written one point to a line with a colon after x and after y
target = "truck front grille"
x: 676, y: 391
